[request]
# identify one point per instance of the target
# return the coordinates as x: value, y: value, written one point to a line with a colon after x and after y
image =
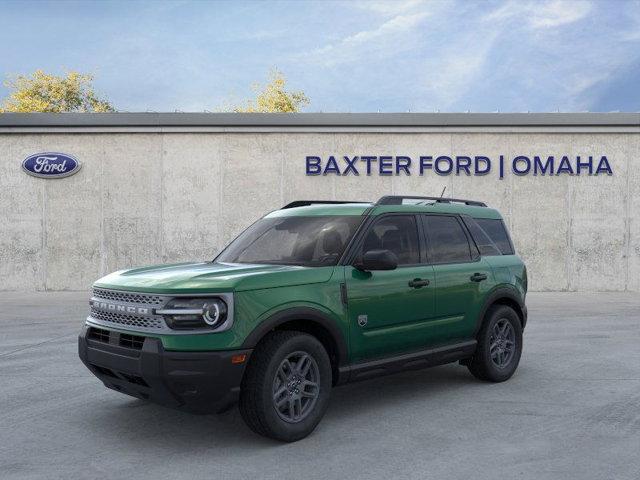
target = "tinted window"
x: 447, y: 240
x: 398, y: 234
x: 498, y: 233
x: 486, y: 246
x: 308, y: 241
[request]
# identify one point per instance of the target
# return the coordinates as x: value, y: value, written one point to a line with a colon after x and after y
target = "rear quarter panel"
x: 509, y: 271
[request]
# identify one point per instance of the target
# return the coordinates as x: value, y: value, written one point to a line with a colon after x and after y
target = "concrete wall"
x: 145, y: 198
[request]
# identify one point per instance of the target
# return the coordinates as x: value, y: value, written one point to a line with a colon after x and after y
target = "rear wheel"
x: 499, y: 345
x: 286, y: 388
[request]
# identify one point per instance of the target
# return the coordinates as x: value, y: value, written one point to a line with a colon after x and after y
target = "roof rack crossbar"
x: 306, y: 203
x: 397, y: 200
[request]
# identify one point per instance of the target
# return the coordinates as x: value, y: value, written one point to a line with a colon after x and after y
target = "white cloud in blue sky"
x: 513, y: 55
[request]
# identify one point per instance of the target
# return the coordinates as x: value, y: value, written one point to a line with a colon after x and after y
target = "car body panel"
x: 208, y: 277
x: 398, y: 317
x: 459, y: 299
x: 510, y: 272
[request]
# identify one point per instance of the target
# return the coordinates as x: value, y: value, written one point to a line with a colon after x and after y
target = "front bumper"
x: 201, y: 382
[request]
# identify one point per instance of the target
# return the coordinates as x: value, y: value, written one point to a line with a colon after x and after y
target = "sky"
x: 347, y: 56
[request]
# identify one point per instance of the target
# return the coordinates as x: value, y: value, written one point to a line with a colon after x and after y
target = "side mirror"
x: 377, y: 260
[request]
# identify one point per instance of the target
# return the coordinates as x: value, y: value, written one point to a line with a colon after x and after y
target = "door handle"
x: 418, y: 282
x: 478, y: 277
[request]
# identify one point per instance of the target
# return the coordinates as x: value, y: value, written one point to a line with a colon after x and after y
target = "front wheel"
x: 286, y: 388
x: 499, y: 345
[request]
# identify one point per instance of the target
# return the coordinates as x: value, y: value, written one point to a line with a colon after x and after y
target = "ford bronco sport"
x: 311, y: 296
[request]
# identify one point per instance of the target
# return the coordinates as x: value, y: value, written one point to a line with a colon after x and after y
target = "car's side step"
x: 409, y: 361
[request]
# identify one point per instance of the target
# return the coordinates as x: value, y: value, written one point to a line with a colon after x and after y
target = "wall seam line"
x: 282, y: 170
x: 628, y: 219
x: 103, y: 252
x: 509, y: 154
x: 334, y: 180
x: 569, y: 200
x: 161, y: 233
x: 452, y: 192
x: 45, y: 252
x: 221, y: 150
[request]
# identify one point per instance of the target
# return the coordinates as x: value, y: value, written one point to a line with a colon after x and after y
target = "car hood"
x: 209, y: 277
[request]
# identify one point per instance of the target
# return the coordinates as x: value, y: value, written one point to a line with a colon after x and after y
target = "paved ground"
x: 572, y: 411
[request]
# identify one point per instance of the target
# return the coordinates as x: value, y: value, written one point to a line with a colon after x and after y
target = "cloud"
x: 556, y: 13
x: 390, y: 8
x: 541, y: 15
x: 566, y: 69
x: 513, y: 55
x: 450, y: 74
x: 391, y: 37
x: 632, y: 15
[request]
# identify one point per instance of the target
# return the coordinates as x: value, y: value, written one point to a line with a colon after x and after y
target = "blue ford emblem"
x: 50, y: 165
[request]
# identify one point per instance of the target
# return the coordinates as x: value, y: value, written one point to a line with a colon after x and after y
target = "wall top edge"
x: 634, y: 130
x: 317, y: 120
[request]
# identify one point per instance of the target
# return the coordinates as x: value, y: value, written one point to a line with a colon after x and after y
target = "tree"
x: 42, y: 92
x: 274, y: 98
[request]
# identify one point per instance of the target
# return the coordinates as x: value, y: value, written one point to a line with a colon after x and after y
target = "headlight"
x: 194, y: 313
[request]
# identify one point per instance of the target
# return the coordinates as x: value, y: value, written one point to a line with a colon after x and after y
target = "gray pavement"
x: 572, y: 411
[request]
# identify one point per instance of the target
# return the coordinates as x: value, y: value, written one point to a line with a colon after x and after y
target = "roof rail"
x: 306, y: 203
x: 397, y: 200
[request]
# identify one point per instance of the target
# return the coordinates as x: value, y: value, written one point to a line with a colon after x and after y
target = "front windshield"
x: 312, y: 241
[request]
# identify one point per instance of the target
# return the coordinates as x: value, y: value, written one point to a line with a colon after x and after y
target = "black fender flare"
x: 300, y: 313
x: 494, y: 297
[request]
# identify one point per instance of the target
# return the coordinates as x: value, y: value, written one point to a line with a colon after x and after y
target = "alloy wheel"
x: 502, y: 343
x: 296, y: 387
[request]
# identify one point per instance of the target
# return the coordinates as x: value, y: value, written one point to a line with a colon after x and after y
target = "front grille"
x: 99, y: 334
x: 128, y: 310
x: 141, y: 298
x: 131, y: 341
x: 147, y: 322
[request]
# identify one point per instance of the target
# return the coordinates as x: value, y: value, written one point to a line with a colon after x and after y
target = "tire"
x: 277, y: 398
x: 502, y: 329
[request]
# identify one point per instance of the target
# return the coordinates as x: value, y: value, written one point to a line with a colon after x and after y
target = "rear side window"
x: 486, y: 246
x: 497, y: 232
x: 448, y: 242
x: 398, y: 234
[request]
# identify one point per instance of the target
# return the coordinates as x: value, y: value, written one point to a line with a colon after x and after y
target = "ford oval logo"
x: 50, y: 165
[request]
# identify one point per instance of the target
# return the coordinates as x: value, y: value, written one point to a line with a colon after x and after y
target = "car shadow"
x: 370, y: 397
x: 133, y: 421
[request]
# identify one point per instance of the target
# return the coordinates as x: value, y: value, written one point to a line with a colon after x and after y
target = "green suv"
x: 312, y: 296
